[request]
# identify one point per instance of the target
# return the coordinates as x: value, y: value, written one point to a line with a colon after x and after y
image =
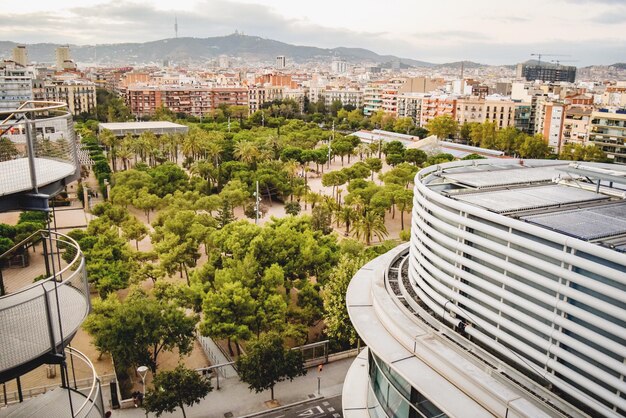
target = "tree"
x: 370, y: 225
x: 404, y: 200
x: 321, y: 219
x: 579, y: 152
x: 224, y: 214
x: 132, y: 229
x: 442, y: 126
x: 534, y: 147
x: 111, y: 142
x: 347, y: 214
x: 8, y: 151
x: 176, y: 389
x: 147, y: 202
x: 403, y: 125
x: 292, y: 208
x: 374, y: 164
x: 247, y: 152
x: 338, y: 324
x: 268, y: 362
x: 228, y: 313
x: 137, y: 330
x: 415, y: 156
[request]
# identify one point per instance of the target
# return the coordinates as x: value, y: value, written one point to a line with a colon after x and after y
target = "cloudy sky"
x: 488, y: 31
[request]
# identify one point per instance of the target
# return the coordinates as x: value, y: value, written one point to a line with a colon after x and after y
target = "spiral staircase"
x: 43, y: 302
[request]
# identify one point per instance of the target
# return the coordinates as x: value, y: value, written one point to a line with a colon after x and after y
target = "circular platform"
x: 15, y: 174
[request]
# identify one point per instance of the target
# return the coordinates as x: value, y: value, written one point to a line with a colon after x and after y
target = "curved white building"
x: 509, y: 301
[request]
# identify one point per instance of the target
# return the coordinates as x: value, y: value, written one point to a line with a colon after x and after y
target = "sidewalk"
x: 235, y: 397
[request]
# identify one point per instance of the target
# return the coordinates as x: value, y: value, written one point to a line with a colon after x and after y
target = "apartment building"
x: 373, y: 97
x: 410, y: 106
x: 347, y: 95
x: 20, y: 55
x: 16, y: 86
x: 576, y: 125
x: 260, y: 94
x: 434, y: 106
x: 608, y: 131
x: 196, y: 101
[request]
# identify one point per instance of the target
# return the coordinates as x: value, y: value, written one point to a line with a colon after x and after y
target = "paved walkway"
x: 235, y: 398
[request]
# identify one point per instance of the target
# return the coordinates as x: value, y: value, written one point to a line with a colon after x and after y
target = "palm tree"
x: 111, y: 142
x: 125, y: 154
x: 247, y: 152
x: 347, y: 214
x: 192, y: 144
x: 213, y: 148
x: 275, y: 144
x: 313, y: 199
x: 370, y: 225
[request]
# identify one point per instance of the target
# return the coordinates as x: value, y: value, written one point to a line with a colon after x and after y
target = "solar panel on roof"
x: 513, y: 176
x: 587, y: 224
x: 513, y: 200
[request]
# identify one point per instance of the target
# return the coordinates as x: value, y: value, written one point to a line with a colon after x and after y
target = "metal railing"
x: 38, y: 318
x: 38, y: 146
x: 93, y: 398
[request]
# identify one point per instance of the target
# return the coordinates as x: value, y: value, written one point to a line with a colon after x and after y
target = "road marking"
x: 336, y: 415
x: 325, y: 403
x: 331, y: 409
x: 316, y: 410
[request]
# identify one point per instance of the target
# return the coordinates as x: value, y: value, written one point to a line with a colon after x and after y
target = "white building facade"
x: 509, y: 300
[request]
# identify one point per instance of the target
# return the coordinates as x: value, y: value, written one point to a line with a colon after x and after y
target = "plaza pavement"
x: 234, y: 399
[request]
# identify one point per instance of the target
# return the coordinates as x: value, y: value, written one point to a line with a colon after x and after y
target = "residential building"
x: 80, y: 95
x: 63, y: 58
x: 389, y: 96
x: 549, y: 120
x: 508, y: 301
x: 192, y: 100
x: 339, y: 67
x: 20, y: 55
x: 522, y: 117
x: 347, y: 95
x: 433, y: 106
x: 576, y: 125
x: 410, y: 106
x: 373, y: 97
x: 16, y: 86
x: 608, y: 131
x: 281, y: 62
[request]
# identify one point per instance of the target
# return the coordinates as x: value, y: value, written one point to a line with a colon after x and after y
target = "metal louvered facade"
x: 552, y: 306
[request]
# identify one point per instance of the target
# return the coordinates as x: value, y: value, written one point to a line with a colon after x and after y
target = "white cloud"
x: 491, y: 31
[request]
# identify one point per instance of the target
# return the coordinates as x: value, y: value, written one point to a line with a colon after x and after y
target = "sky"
x: 582, y: 32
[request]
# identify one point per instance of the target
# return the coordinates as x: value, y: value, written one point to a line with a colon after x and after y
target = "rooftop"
x: 587, y: 203
x: 137, y: 128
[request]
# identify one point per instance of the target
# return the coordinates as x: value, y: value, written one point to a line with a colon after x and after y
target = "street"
x: 321, y: 408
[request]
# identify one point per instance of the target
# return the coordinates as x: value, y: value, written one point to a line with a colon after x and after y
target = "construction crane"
x: 558, y: 62
x: 546, y: 55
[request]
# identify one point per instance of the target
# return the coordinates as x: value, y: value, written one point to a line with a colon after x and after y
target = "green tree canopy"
x: 268, y: 362
x: 137, y: 330
x: 176, y: 389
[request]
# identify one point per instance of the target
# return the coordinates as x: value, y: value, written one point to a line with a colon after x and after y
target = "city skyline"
x: 589, y: 31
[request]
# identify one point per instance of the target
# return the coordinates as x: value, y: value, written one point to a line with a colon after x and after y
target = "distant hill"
x: 466, y: 64
x: 203, y: 49
x: 619, y: 65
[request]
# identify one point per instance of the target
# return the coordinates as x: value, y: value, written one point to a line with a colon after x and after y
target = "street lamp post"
x: 143, y: 371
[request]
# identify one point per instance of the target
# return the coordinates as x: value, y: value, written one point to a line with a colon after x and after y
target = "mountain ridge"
x: 199, y: 49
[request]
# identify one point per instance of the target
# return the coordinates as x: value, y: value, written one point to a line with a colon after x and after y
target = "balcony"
x: 70, y: 399
x: 45, y: 299
x: 35, y: 165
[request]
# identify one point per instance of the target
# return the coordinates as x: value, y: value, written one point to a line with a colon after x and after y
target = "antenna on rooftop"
x: 176, y: 27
